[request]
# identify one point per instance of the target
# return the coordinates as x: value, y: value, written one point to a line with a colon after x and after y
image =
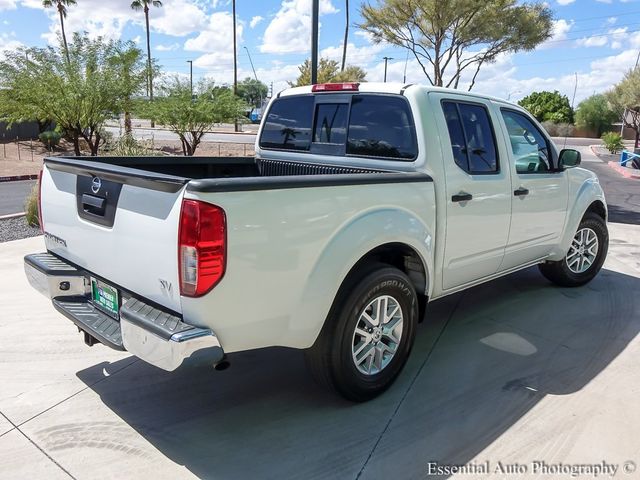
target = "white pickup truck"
x: 363, y: 203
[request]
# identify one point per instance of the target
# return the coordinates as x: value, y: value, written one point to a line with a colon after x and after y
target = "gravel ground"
x: 16, y: 229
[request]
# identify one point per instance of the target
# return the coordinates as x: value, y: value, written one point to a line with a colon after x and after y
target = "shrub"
x: 613, y: 142
x: 128, y: 146
x: 50, y: 138
x: 558, y: 129
x: 31, y: 207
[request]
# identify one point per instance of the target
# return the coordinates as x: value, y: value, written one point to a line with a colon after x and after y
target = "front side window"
x: 471, y: 134
x: 381, y: 126
x: 288, y: 124
x: 529, y: 147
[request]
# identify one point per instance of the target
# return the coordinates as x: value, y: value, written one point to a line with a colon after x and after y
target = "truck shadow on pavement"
x: 482, y: 360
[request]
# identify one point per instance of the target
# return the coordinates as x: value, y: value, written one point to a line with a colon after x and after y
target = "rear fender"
x: 350, y: 244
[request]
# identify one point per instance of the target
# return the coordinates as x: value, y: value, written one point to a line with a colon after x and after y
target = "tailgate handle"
x: 94, y: 205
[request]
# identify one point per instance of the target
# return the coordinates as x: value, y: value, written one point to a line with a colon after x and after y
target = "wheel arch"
x: 392, y: 236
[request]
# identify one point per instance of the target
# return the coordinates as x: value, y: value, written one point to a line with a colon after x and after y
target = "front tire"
x: 585, y: 257
x: 368, y: 334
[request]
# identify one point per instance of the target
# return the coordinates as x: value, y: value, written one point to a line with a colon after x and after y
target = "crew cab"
x: 364, y: 202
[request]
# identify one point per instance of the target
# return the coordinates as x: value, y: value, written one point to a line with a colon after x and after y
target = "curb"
x: 624, y: 171
x: 12, y: 215
x: 17, y: 178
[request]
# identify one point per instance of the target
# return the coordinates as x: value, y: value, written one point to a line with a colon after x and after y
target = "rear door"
x: 118, y: 223
x: 540, y: 193
x: 478, y: 190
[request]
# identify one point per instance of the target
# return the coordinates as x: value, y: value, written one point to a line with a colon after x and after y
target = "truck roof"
x: 397, y: 88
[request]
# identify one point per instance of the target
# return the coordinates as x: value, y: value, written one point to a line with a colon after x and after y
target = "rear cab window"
x: 364, y: 125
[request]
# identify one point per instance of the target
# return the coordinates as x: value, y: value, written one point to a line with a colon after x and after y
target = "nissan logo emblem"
x: 96, y: 184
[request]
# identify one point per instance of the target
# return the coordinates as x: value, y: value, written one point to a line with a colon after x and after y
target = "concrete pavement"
x: 515, y: 370
x: 158, y: 134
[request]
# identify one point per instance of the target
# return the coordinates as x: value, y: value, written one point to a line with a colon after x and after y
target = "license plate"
x: 105, y: 297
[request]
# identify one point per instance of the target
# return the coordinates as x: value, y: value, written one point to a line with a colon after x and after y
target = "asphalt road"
x: 159, y: 135
x: 13, y: 196
x: 622, y: 194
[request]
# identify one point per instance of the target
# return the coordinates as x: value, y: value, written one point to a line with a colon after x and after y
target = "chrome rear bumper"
x: 154, y: 335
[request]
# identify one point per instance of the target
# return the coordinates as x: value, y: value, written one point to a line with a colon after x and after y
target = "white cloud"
x: 565, y: 2
x: 255, y: 21
x: 8, y: 43
x: 359, y: 56
x: 137, y: 39
x: 612, y: 20
x: 7, y: 5
x: 559, y: 33
x: 178, y: 18
x: 167, y: 48
x: 290, y: 29
x: 215, y: 39
x: 593, y: 41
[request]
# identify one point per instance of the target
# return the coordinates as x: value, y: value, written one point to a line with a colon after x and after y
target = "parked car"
x: 364, y: 203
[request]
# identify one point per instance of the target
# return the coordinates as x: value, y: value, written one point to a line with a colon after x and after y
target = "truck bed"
x: 211, y: 174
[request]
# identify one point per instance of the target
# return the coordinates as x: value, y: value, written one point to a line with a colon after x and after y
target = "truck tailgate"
x: 120, y: 224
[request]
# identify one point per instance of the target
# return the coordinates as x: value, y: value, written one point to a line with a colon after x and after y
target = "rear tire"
x: 585, y: 256
x: 368, y: 334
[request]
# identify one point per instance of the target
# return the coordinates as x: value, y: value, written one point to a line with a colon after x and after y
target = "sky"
x: 594, y: 41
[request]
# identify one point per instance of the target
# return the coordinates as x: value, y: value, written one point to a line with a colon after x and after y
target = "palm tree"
x: 144, y: 5
x: 61, y: 5
x: 346, y: 34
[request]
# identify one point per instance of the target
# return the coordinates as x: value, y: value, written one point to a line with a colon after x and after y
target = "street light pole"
x: 315, y: 8
x: 254, y: 74
x: 190, y: 62
x: 386, y: 59
x: 251, y: 62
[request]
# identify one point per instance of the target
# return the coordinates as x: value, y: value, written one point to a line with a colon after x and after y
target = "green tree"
x: 130, y: 67
x: 450, y: 37
x: 625, y: 99
x: 328, y: 71
x: 78, y: 95
x: 252, y: 91
x: 596, y: 114
x: 548, y: 106
x: 190, y: 118
x: 61, y: 6
x: 143, y: 5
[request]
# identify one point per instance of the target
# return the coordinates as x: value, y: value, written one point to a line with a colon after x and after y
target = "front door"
x: 478, y: 187
x: 540, y: 191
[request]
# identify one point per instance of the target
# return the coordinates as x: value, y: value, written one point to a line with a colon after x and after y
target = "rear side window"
x: 288, y: 124
x: 381, y: 126
x: 472, y: 139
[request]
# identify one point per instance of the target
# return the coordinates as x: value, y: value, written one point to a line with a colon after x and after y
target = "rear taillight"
x: 40, y: 202
x: 201, y: 247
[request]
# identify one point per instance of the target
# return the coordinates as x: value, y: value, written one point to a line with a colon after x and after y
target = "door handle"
x: 461, y: 197
x: 521, y: 192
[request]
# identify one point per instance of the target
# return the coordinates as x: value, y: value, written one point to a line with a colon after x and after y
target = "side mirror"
x: 569, y: 158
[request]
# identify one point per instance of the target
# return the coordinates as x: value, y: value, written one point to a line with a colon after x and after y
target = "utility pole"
x: 190, y: 62
x: 315, y: 9
x: 386, y: 59
x: 235, y: 61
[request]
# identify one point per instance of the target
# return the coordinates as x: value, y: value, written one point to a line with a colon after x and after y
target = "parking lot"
x: 515, y: 370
